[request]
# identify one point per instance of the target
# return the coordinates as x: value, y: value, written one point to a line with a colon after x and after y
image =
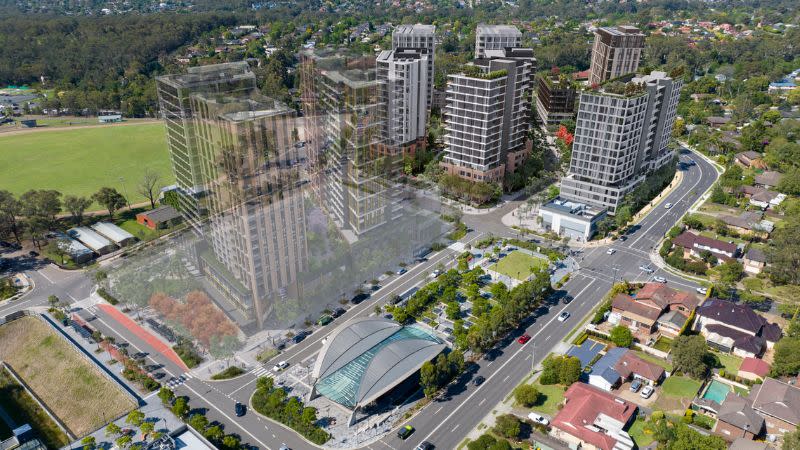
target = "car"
x: 240, y: 409
x: 563, y: 316
x: 635, y: 385
x: 405, y: 431
x: 338, y: 312
x: 524, y: 338
x: 324, y: 320
x: 668, y: 205
x: 539, y: 419
x: 659, y: 279
x: 33, y: 254
x: 401, y: 271
x: 284, y: 447
x: 424, y: 445
x: 610, y: 251
x: 280, y: 366
x: 435, y: 273
x: 358, y: 298
x: 702, y: 291
x: 623, y: 238
x: 298, y: 338
x: 477, y: 381
x: 647, y: 392
x: 647, y: 269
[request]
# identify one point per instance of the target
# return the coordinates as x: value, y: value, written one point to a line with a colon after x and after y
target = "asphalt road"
x: 447, y: 421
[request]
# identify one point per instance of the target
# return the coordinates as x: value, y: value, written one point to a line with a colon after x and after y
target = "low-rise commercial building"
x: 573, y: 219
x: 92, y: 239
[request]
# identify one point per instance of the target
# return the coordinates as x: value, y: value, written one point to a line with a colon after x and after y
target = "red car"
x: 523, y: 339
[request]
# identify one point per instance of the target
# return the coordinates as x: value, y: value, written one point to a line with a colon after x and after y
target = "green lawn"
x: 551, y: 396
x: 518, y: 265
x: 127, y: 221
x: 655, y: 360
x: 663, y: 343
x: 80, y: 161
x: 639, y: 435
x: 679, y: 386
x: 730, y: 363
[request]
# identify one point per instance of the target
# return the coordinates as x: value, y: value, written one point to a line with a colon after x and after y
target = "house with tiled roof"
x: 594, y: 419
x: 737, y: 418
x: 764, y: 198
x: 753, y: 369
x: 768, y: 179
x: 734, y: 328
x: 694, y: 244
x: 749, y: 159
x: 754, y: 261
x: 749, y: 223
x: 778, y: 403
x: 654, y: 308
x: 619, y: 365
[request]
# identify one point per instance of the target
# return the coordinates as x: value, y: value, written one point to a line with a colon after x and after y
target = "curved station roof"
x: 365, y: 358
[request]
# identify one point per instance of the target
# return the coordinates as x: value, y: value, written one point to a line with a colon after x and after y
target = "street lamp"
x: 125, y: 190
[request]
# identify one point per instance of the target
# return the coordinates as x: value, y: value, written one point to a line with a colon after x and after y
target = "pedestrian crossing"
x: 259, y: 371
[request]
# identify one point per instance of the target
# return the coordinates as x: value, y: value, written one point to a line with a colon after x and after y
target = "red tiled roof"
x: 664, y: 296
x: 688, y: 239
x: 583, y: 403
x: 755, y: 366
x: 629, y: 304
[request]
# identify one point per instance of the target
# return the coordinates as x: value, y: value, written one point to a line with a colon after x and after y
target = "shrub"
x: 526, y: 395
x: 230, y: 372
x: 508, y: 425
x: 107, y: 297
x: 273, y: 403
x: 621, y: 336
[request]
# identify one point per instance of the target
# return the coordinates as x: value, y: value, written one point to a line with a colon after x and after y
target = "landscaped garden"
x: 519, y: 265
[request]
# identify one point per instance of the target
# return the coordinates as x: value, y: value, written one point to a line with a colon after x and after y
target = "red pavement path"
x: 144, y: 335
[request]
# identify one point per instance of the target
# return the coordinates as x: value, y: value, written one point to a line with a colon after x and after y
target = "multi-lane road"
x: 443, y: 422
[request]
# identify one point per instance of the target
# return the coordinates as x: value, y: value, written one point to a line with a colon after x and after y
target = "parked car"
x: 563, y: 316
x: 280, y: 366
x: 610, y: 251
x: 659, y: 279
x: 324, y: 320
x: 338, y: 312
x: 477, y: 381
x: 358, y: 298
x: 536, y: 418
x: 405, y: 431
x: 424, y: 445
x: 240, y: 409
x: 401, y: 271
x: 668, y: 206
x: 702, y: 291
x: 635, y: 385
x: 645, y: 268
x: 33, y: 254
x: 647, y: 392
x: 524, y: 338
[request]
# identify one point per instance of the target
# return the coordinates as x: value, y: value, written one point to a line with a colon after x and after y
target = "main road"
x: 447, y: 421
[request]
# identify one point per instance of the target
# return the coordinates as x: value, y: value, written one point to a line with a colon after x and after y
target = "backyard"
x: 519, y: 265
x: 80, y: 161
x: 67, y: 383
x: 677, y: 392
x: 550, y: 397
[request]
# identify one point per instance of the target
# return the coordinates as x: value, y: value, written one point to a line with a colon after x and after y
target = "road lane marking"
x: 45, y: 276
x: 457, y: 408
x: 482, y: 401
x: 506, y: 378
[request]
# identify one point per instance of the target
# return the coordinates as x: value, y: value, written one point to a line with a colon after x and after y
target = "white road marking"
x: 482, y: 401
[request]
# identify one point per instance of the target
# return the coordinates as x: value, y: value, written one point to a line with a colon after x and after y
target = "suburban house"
x: 764, y: 198
x: 768, y: 179
x: 655, y: 308
x: 738, y: 419
x: 778, y: 403
x: 754, y: 261
x: 734, y: 328
x: 749, y: 159
x: 619, y: 365
x: 753, y: 369
x: 749, y: 223
x: 161, y: 217
x: 716, y: 121
x: 593, y: 419
x: 694, y: 244
x: 749, y: 444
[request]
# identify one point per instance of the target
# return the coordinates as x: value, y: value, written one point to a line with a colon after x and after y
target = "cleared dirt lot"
x: 69, y: 384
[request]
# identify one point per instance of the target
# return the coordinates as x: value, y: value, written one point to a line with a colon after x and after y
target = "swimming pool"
x: 716, y: 391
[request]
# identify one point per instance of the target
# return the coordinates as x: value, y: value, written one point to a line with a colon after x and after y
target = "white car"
x: 536, y: 418
x: 668, y: 206
x: 563, y: 316
x: 659, y: 279
x: 702, y: 291
x: 610, y: 251
x: 280, y: 366
x: 647, y: 392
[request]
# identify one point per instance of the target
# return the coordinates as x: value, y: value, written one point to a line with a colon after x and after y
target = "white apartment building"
x: 620, y: 139
x: 402, y: 95
x: 488, y: 117
x: 418, y: 36
x: 616, y: 51
x: 495, y: 37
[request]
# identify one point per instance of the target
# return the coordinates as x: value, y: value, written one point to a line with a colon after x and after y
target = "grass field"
x: 679, y: 386
x: 70, y: 385
x: 81, y: 161
x: 639, y: 434
x: 551, y: 396
x: 518, y: 265
x: 22, y: 409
